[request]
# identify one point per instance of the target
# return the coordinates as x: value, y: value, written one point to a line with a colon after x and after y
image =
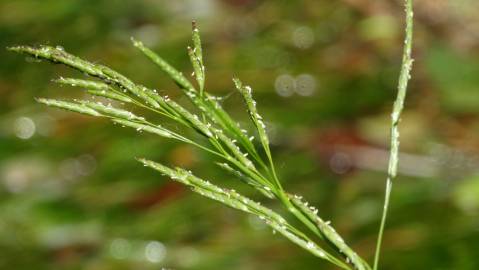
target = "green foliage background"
x: 324, y: 74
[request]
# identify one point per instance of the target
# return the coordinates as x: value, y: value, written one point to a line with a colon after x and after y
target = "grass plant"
x: 245, y: 154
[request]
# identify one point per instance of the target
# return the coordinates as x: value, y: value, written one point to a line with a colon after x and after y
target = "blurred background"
x: 324, y: 74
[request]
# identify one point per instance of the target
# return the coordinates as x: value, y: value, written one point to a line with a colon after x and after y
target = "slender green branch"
x: 404, y: 77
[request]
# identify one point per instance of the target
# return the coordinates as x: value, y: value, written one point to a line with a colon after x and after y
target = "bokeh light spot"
x: 303, y: 37
x: 285, y: 85
x: 24, y: 127
x: 155, y: 252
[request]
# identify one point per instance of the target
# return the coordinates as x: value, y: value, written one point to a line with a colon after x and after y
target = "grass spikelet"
x: 111, y: 111
x: 87, y: 84
x: 257, y: 120
x: 157, y: 129
x: 95, y: 88
x: 197, y: 42
x: 110, y: 95
x: 69, y: 106
x: 196, y: 58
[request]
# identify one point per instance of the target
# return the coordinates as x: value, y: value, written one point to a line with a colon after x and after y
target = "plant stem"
x: 404, y: 77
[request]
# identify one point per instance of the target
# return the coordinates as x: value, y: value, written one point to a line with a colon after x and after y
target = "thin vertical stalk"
x: 404, y: 77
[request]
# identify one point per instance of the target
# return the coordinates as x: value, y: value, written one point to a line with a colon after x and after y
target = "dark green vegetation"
x: 73, y: 198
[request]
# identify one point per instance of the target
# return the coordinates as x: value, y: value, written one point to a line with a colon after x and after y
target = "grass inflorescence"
x: 238, y: 151
x: 404, y: 77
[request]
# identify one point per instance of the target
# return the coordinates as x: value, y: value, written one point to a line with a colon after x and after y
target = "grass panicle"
x: 225, y: 140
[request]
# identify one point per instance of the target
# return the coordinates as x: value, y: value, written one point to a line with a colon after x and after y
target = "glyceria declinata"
x: 237, y: 150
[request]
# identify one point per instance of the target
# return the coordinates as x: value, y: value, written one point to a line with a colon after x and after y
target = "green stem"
x: 404, y: 77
